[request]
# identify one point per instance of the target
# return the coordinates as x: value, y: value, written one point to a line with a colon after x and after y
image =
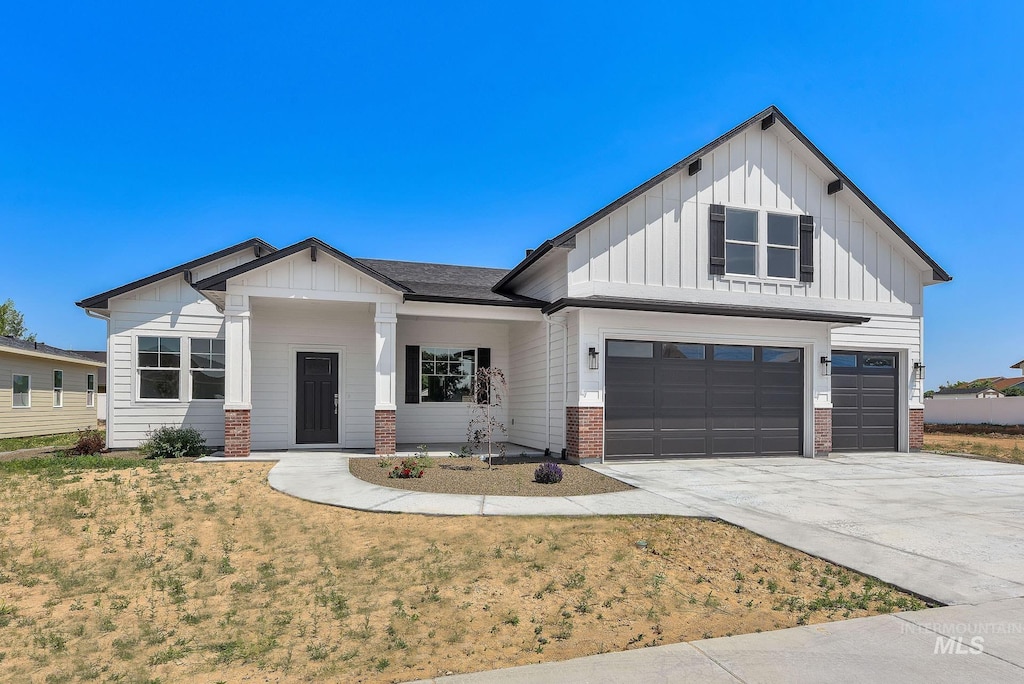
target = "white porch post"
x: 237, y: 376
x: 385, y: 403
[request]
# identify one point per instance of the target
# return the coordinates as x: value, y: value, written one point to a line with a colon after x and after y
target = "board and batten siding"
x: 280, y: 329
x: 656, y: 246
x: 42, y: 418
x: 168, y: 308
x: 446, y: 421
x: 325, y: 278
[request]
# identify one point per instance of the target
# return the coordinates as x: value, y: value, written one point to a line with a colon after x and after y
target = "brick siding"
x: 584, y: 433
x: 237, y: 436
x: 916, y: 429
x: 384, y: 432
x: 822, y: 431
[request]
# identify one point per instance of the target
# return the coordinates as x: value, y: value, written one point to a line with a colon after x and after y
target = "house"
x: 975, y: 392
x: 45, y: 390
x: 101, y: 380
x: 748, y: 300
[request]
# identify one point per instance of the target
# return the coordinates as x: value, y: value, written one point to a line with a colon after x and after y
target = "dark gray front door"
x: 864, y: 401
x: 316, y: 398
x: 673, y: 400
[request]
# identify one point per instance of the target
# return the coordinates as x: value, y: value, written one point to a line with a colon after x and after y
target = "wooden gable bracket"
x: 835, y: 186
x: 767, y: 122
x: 312, y: 253
x: 257, y: 251
x: 695, y: 167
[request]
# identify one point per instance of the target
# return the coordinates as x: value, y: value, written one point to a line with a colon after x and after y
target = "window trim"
x: 29, y: 393
x: 190, y: 370
x: 138, y: 370
x: 90, y: 394
x: 762, y: 245
x: 450, y: 347
x: 58, y: 399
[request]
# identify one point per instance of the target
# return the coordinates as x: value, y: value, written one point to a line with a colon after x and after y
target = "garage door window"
x: 844, y: 360
x: 729, y: 353
x: 631, y: 350
x: 780, y: 355
x: 694, y: 352
x: 879, y: 361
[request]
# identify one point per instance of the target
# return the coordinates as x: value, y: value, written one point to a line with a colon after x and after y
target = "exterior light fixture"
x: 826, y: 366
x: 592, y: 355
x: 919, y: 369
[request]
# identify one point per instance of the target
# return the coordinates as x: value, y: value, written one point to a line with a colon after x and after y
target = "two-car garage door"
x: 669, y: 399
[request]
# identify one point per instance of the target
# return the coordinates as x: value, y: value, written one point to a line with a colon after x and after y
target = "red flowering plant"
x: 409, y: 467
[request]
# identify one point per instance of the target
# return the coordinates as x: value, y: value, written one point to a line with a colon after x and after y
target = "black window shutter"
x: 483, y: 360
x: 716, y: 243
x: 806, y: 249
x: 412, y: 374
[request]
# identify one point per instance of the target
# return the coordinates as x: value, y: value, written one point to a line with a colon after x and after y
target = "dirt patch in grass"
x: 200, y: 572
x: 471, y: 476
x: 990, y: 447
x: 974, y: 429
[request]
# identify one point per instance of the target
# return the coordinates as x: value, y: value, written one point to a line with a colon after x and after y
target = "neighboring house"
x: 45, y: 390
x: 749, y: 300
x: 967, y: 393
x: 101, y: 397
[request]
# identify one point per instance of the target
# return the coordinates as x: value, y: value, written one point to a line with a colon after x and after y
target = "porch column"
x: 237, y: 377
x: 822, y: 388
x: 385, y: 324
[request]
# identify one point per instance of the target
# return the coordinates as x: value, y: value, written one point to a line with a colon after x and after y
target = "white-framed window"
x: 446, y: 374
x: 159, y: 368
x: 58, y: 389
x: 22, y: 394
x: 90, y: 390
x: 762, y: 244
x: 206, y: 365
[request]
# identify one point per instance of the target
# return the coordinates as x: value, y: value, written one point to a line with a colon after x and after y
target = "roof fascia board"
x: 523, y: 303
x: 100, y: 301
x: 702, y: 309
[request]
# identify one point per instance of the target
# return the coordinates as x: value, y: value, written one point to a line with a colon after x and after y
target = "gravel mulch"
x: 471, y: 476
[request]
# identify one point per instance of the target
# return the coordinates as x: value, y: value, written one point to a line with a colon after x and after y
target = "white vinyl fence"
x: 1004, y: 411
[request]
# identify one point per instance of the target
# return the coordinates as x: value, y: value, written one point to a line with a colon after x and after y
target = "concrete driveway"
x: 949, y: 529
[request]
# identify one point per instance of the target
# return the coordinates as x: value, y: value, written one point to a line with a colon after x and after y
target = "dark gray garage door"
x: 864, y: 400
x: 675, y: 400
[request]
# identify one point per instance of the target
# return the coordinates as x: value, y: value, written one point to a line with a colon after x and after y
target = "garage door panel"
x: 844, y: 419
x: 780, y: 444
x: 780, y: 422
x: 871, y: 400
x: 777, y: 398
x: 738, y: 422
x: 842, y: 382
x: 629, y: 374
x: 843, y: 401
x: 733, y: 444
x: 629, y: 444
x: 741, y: 377
x: 682, y: 374
x: 684, y: 421
x: 722, y: 398
x: 684, y: 398
x: 684, y: 445
x: 878, y: 420
x: 880, y: 382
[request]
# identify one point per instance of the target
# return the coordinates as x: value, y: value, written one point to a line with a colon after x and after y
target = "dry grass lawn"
x: 187, y: 571
x: 992, y: 447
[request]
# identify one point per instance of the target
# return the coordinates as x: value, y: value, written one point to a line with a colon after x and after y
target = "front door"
x: 316, y: 398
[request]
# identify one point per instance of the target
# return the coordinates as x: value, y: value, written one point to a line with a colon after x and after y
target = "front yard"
x: 175, y: 571
x: 988, y: 446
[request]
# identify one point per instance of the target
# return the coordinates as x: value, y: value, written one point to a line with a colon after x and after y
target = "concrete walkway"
x: 910, y: 648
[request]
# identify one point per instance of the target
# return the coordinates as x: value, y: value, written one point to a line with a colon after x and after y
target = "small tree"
x: 12, y: 322
x: 490, y: 388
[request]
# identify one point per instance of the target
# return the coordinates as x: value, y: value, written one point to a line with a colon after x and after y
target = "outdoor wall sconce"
x: 919, y: 369
x: 826, y: 366
x: 592, y: 355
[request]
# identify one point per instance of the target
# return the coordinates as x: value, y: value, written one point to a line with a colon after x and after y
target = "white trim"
x: 55, y: 389
x: 293, y: 350
x: 90, y: 394
x: 13, y: 393
x: 136, y: 369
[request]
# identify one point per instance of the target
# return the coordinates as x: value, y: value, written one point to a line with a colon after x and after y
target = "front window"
x: 159, y: 365
x: 22, y: 385
x: 740, y: 242
x: 90, y: 390
x: 207, y: 368
x: 446, y: 374
x: 58, y: 388
x: 752, y: 249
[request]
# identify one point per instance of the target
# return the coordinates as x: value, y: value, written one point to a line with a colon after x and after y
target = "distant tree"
x: 1016, y: 391
x: 967, y: 384
x: 929, y: 394
x: 12, y: 322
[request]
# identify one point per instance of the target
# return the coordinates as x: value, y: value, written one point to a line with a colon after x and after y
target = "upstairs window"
x: 90, y: 390
x: 783, y: 246
x: 207, y: 368
x: 740, y: 242
x: 22, y: 385
x: 760, y: 244
x: 58, y: 389
x: 159, y: 367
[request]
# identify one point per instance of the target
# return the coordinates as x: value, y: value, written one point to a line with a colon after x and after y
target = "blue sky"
x: 133, y: 138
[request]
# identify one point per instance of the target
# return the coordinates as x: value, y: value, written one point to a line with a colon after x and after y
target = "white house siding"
x: 280, y: 329
x: 546, y: 280
x: 445, y: 422
x: 170, y: 308
x: 530, y: 349
x: 889, y: 333
x: 42, y: 418
x: 656, y: 246
x: 298, y: 277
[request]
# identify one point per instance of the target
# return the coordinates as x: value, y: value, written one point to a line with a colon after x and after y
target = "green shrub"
x: 173, y: 442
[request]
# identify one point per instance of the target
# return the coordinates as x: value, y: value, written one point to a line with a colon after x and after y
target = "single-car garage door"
x: 864, y: 401
x: 677, y: 400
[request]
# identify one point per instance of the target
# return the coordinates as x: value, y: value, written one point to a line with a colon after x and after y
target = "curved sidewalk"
x: 325, y: 478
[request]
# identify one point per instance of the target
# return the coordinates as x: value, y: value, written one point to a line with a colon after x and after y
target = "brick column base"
x: 584, y: 433
x: 237, y: 438
x: 822, y: 431
x: 383, y: 433
x: 916, y: 429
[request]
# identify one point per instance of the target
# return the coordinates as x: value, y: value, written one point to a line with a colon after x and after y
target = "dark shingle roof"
x: 40, y: 348
x: 963, y: 390
x: 445, y: 282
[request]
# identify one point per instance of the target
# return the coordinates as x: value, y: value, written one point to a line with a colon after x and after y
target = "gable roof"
x: 565, y: 239
x: 1019, y: 364
x: 14, y: 345
x: 1007, y: 383
x: 218, y: 283
x: 448, y: 283
x: 966, y: 390
x: 100, y: 301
